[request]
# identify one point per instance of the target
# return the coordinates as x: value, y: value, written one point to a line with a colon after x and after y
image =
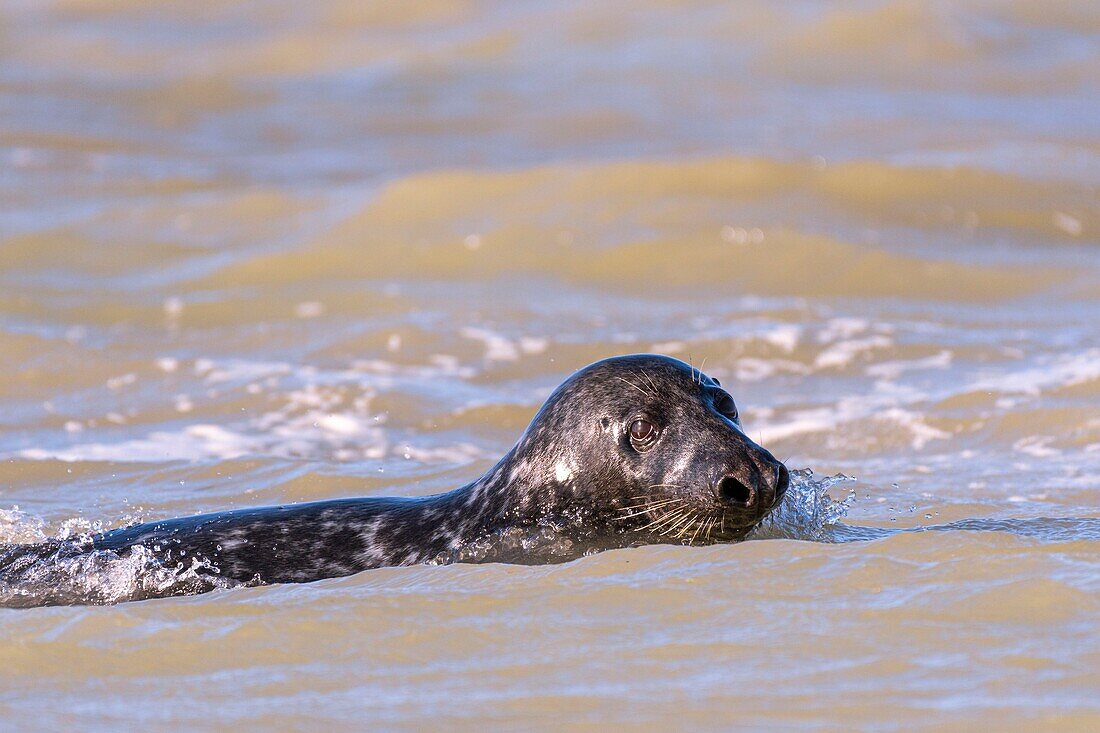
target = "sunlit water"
x: 260, y: 253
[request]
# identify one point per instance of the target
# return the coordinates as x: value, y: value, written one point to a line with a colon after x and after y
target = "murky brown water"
x: 256, y: 253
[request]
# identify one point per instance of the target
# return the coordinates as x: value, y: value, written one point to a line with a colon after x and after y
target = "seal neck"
x: 515, y: 514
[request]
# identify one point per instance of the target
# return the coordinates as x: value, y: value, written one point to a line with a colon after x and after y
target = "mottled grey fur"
x: 573, y: 484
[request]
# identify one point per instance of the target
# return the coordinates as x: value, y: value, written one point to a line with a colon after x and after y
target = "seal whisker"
x: 698, y: 529
x: 673, y: 513
x: 645, y: 510
x: 643, y: 378
x: 625, y: 517
x: 689, y: 525
x: 686, y: 517
x: 686, y: 521
x: 650, y: 504
x: 664, y: 516
x: 710, y: 526
x: 649, y: 500
x: 708, y: 532
x: 624, y: 379
x: 649, y: 379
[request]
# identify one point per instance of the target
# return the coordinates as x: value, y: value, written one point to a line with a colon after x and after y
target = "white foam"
x: 843, y: 352
x: 842, y: 328
x: 893, y: 369
x: 167, y: 364
x: 497, y: 347
x: 191, y: 443
x: 785, y: 336
x: 329, y: 416
x: 124, y: 380
x: 309, y: 309
x: 800, y: 422
x: 287, y: 433
x: 667, y: 347
x: 748, y: 369
x: 888, y: 402
x: 342, y: 424
x: 173, y: 306
x: 459, y: 454
x: 1069, y: 224
x: 241, y: 370
x: 533, y: 344
x: 1064, y: 370
x: 18, y: 527
x: 100, y: 577
x: 441, y: 365
x: 922, y: 432
x: 1036, y: 445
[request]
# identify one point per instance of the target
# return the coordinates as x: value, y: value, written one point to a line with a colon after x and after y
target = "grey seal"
x: 630, y: 450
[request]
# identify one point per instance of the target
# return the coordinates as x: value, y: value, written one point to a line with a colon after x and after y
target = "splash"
x: 65, y: 575
x: 19, y: 526
x: 807, y: 511
x: 36, y: 571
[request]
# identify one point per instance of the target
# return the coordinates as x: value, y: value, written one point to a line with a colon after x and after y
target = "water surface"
x: 254, y: 253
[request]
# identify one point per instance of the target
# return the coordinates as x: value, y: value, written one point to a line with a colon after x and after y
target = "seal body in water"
x: 631, y: 450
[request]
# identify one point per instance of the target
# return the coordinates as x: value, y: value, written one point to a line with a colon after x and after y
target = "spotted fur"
x: 573, y: 484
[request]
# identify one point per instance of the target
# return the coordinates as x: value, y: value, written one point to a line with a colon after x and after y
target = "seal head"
x: 656, y: 452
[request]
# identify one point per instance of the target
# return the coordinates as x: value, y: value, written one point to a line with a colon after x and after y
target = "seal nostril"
x: 734, y: 491
x: 782, y: 481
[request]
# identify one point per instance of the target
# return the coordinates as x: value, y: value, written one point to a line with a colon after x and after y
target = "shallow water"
x: 262, y: 253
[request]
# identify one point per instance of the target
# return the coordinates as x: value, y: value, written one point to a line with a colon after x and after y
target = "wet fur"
x: 573, y: 484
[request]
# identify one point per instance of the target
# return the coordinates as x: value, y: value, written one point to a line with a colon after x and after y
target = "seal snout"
x: 736, y: 492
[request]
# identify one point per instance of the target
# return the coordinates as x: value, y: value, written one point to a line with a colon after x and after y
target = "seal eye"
x: 642, y: 432
x: 725, y: 405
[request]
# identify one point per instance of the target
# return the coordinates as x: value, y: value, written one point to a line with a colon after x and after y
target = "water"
x: 261, y: 253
